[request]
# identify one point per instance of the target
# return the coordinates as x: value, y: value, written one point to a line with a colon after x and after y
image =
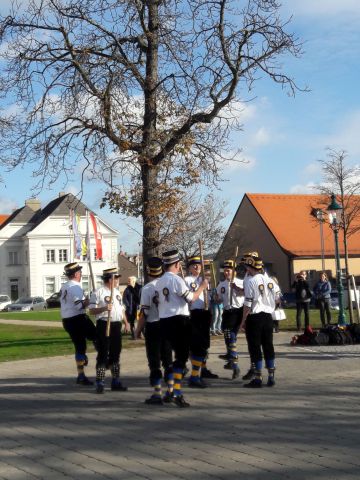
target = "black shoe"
x: 228, y: 366
x: 180, y: 402
x: 225, y: 356
x: 255, y: 383
x: 270, y: 382
x: 196, y: 384
x: 117, y: 386
x: 249, y: 375
x: 236, y: 373
x: 168, y: 397
x: 99, y: 388
x: 206, y: 373
x: 84, y: 381
x: 154, y: 400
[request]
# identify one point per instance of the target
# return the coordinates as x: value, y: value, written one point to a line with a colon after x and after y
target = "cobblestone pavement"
x: 306, y: 427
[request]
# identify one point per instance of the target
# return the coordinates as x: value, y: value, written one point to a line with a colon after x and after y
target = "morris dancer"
x: 106, y: 305
x: 174, y: 297
x: 261, y: 295
x: 76, y: 323
x: 158, y: 350
x: 230, y: 292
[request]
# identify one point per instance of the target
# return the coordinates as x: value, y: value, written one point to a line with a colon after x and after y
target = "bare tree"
x: 138, y: 93
x: 344, y: 181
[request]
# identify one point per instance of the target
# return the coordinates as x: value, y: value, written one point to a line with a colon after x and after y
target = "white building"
x: 35, y: 245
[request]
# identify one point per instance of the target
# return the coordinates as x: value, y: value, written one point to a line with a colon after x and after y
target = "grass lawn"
x: 21, y: 342
x: 290, y: 322
x: 52, y: 314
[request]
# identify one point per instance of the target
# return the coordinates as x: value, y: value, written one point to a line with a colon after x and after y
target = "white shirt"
x: 237, y: 300
x: 193, y: 283
x: 101, y: 297
x: 149, y: 301
x: 174, y: 296
x: 71, y: 298
x: 261, y: 293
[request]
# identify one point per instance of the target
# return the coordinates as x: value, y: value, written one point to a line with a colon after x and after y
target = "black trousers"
x: 177, y: 331
x: 80, y: 328
x: 158, y: 351
x: 300, y: 306
x: 231, y: 319
x: 200, y: 321
x: 259, y: 335
x: 109, y: 348
x: 324, y: 307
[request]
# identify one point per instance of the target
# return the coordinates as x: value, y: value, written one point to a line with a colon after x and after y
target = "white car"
x: 4, y: 301
x: 25, y: 304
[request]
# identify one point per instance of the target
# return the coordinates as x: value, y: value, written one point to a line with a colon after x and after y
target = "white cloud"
x: 312, y: 169
x: 305, y: 188
x: 260, y: 138
x: 7, y: 205
x: 241, y: 161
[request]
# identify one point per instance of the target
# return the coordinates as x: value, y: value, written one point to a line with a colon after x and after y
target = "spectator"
x: 278, y: 305
x: 322, y: 293
x: 216, y: 310
x: 303, y: 297
x: 131, y: 301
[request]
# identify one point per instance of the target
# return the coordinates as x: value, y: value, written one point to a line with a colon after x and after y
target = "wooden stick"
x: 206, y: 297
x: 233, y: 276
x: 213, y: 274
x: 109, y: 312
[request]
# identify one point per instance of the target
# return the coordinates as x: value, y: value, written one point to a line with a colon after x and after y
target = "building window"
x: 49, y: 285
x: 26, y: 257
x: 95, y: 255
x: 50, y: 256
x: 13, y: 258
x: 85, y: 283
x: 99, y: 281
x: 63, y: 255
x: 63, y: 280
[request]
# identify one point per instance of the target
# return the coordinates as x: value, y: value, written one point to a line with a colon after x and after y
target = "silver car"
x: 4, y: 301
x: 26, y: 304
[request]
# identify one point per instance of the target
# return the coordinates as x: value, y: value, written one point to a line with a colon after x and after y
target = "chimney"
x: 62, y: 194
x: 33, y: 203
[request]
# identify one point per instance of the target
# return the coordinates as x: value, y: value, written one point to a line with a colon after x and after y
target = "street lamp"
x: 320, y: 217
x: 334, y: 211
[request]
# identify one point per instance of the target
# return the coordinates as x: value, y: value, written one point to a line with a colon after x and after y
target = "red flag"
x: 98, y: 237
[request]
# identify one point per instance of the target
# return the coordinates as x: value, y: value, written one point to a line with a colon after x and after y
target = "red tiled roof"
x: 289, y: 219
x: 3, y: 218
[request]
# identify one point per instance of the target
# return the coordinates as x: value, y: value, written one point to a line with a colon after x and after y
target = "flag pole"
x: 88, y: 242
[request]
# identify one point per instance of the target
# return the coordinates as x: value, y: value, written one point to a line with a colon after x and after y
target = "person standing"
x: 158, y: 350
x: 200, y: 320
x: 174, y: 298
x: 75, y: 321
x: 322, y: 292
x: 230, y: 292
x: 303, y: 297
x: 106, y: 303
x: 261, y: 295
x: 131, y: 301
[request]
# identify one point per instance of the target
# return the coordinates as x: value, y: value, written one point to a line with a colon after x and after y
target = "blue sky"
x: 283, y: 137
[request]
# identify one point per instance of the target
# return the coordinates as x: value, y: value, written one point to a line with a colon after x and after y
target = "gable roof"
x: 289, y: 219
x: 22, y: 215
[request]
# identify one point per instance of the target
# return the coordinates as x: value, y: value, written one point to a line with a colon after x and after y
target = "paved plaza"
x: 306, y: 427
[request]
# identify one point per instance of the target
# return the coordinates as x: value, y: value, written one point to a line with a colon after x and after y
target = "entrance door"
x: 14, y: 289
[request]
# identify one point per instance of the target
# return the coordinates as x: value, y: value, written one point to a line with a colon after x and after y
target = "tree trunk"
x: 149, y: 172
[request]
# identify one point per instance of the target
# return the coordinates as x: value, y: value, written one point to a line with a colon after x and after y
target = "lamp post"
x: 320, y: 217
x: 334, y: 211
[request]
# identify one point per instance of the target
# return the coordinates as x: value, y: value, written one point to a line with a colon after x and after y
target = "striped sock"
x: 170, y: 383
x: 178, y: 375
x: 196, y: 363
x: 157, y: 388
x: 80, y: 363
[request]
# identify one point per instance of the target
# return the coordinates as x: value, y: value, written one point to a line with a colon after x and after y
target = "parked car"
x: 5, y: 300
x: 54, y: 300
x: 25, y: 304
